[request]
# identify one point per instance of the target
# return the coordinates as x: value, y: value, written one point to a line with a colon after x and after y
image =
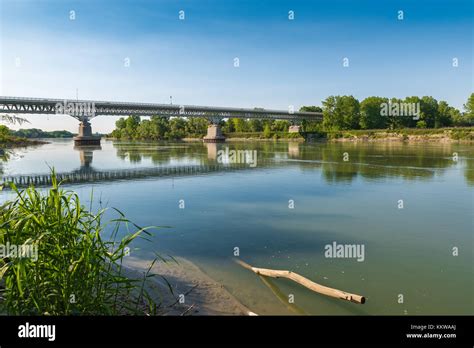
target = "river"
x: 409, y: 207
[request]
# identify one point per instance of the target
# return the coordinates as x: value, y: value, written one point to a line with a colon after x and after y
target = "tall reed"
x: 76, y: 270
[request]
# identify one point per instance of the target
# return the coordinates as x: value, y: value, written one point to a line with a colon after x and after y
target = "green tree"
x: 429, y: 111
x: 132, y: 122
x: 160, y: 126
x: 255, y: 125
x: 144, y: 130
x: 120, y: 123
x: 444, y: 115
x: 228, y: 126
x: 4, y: 131
x: 457, y: 117
x: 196, y: 126
x: 240, y: 125
x: 469, y: 109
x: 267, y: 132
x: 281, y: 126
x: 311, y: 109
x: 341, y: 112
x: 421, y: 124
x: 311, y: 126
x: 370, y: 113
x: 177, y: 128
x: 394, y: 121
x: 412, y: 104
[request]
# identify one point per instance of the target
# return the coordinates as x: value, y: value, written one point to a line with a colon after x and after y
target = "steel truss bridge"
x: 87, y: 109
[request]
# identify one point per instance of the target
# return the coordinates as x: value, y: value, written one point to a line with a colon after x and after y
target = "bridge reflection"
x: 86, y: 155
x: 92, y: 176
x: 86, y: 173
x: 373, y: 162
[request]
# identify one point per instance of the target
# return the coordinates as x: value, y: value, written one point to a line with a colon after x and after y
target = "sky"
x: 142, y: 51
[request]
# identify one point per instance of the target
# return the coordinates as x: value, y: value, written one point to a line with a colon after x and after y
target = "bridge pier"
x: 85, y: 136
x: 294, y: 129
x: 214, y: 134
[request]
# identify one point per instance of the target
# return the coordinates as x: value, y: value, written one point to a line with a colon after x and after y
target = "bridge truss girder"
x: 50, y: 106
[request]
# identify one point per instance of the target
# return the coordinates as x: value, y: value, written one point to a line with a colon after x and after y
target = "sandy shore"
x: 202, y: 295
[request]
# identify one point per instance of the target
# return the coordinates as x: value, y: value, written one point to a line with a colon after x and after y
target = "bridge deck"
x: 16, y: 105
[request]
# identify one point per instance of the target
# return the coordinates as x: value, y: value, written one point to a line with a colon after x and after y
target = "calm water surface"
x: 408, y: 251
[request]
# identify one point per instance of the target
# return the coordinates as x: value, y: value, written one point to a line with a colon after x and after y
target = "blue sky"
x: 282, y: 62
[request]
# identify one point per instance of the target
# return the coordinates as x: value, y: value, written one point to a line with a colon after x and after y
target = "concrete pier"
x: 214, y: 134
x: 294, y: 129
x: 85, y: 136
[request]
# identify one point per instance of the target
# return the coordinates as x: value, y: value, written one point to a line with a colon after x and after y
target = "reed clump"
x: 75, y: 271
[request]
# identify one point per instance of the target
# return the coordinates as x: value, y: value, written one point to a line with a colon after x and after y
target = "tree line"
x: 164, y: 128
x: 346, y: 113
x: 38, y: 133
x: 339, y: 113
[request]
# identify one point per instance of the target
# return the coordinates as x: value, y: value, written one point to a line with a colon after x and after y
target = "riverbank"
x: 441, y: 135
x: 202, y: 294
x: 14, y: 142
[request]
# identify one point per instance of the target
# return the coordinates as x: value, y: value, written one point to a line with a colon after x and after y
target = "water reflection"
x: 337, y: 162
x: 341, y: 162
x: 211, y: 151
x: 349, y: 201
x: 86, y: 155
x: 294, y: 149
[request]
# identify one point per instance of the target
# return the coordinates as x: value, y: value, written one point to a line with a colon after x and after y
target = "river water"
x: 408, y: 207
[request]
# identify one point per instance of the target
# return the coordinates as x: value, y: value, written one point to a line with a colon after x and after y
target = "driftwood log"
x: 305, y: 282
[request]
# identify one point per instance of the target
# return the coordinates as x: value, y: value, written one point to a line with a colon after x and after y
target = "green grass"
x: 77, y: 271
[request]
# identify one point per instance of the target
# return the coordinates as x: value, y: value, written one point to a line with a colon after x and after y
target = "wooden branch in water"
x: 305, y: 282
